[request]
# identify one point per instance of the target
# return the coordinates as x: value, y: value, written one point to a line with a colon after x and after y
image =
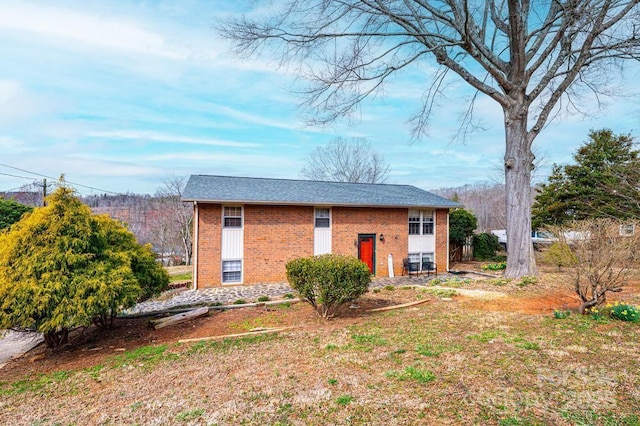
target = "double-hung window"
x: 427, y: 222
x: 232, y: 217
x: 421, y: 259
x: 322, y: 218
x: 421, y: 222
x: 231, y: 271
x: 414, y: 222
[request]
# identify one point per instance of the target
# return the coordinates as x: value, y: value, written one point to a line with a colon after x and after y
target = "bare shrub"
x: 604, y: 258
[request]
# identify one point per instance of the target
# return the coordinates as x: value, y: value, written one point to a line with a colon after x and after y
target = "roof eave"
x: 327, y: 204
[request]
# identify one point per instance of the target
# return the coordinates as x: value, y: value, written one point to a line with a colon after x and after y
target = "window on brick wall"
x: 421, y: 222
x: 414, y: 222
x: 231, y: 271
x: 232, y: 217
x: 427, y: 222
x: 420, y: 258
x: 323, y: 218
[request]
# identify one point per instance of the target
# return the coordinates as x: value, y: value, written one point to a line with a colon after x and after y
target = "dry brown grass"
x: 505, y: 361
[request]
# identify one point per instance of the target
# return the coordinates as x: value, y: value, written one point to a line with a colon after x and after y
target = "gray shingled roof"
x: 245, y: 190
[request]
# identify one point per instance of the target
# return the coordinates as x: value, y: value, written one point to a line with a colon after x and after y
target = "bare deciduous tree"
x: 531, y: 57
x: 345, y: 160
x: 178, y: 215
x: 32, y: 194
x: 603, y: 255
x: 485, y: 200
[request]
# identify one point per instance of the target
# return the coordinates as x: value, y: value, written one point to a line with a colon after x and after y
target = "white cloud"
x: 10, y: 145
x: 84, y: 29
x: 18, y: 104
x: 146, y: 136
x: 257, y: 119
x: 131, y: 36
x: 218, y: 158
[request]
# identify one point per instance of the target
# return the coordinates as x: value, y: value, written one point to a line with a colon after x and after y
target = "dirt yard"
x: 451, y: 360
x: 90, y: 346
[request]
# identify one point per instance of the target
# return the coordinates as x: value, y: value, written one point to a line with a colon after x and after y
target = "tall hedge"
x: 328, y: 281
x: 62, y: 267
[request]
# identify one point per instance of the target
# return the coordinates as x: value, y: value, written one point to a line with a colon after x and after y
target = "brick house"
x: 246, y: 229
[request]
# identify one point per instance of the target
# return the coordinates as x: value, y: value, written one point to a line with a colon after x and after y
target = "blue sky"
x: 119, y: 95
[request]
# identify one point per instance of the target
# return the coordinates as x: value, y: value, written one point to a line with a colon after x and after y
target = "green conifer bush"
x: 62, y: 267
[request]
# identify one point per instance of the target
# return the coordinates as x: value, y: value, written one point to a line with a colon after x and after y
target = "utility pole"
x: 44, y: 192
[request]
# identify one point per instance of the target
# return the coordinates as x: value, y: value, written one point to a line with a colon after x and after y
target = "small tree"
x: 61, y: 267
x: 11, y: 212
x: 462, y: 223
x: 342, y: 160
x: 604, y: 258
x: 329, y: 281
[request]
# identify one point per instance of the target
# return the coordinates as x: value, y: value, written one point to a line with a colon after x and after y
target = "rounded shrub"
x: 560, y: 254
x: 485, y: 246
x: 327, y: 282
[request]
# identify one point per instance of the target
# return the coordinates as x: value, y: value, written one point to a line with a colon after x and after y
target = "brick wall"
x: 348, y: 222
x: 275, y: 234
x: 209, y: 239
x: 442, y: 236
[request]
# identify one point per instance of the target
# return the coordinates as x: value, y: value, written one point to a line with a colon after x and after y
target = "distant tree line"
x: 487, y: 201
x: 161, y: 220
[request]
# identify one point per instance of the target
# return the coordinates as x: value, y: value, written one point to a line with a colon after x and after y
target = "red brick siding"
x: 348, y: 222
x: 209, y: 240
x: 442, y: 225
x: 274, y: 235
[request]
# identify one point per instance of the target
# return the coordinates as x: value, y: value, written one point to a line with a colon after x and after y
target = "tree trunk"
x: 517, y: 166
x: 186, y: 245
x: 55, y: 339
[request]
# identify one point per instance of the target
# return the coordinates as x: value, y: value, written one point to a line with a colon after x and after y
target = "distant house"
x: 246, y: 229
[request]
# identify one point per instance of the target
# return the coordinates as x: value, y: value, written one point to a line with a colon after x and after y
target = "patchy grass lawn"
x: 506, y: 361
x: 186, y: 276
x: 180, y: 273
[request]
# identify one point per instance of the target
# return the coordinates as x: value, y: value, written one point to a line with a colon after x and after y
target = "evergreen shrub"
x: 485, y: 246
x: 62, y: 267
x: 327, y: 282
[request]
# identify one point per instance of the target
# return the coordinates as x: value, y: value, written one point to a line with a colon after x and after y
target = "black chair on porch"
x: 410, y: 267
x: 429, y: 266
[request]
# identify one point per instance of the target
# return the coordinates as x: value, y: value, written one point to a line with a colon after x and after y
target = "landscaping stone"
x: 250, y: 293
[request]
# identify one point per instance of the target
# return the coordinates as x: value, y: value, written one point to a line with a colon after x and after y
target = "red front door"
x: 366, y: 250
